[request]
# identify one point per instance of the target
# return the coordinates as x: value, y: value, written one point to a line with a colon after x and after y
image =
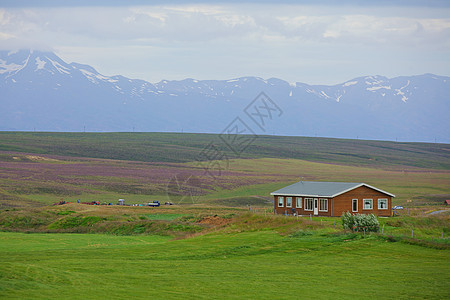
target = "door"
x: 316, y: 206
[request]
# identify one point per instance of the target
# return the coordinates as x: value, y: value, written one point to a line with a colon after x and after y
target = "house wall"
x: 343, y: 203
x: 299, y: 211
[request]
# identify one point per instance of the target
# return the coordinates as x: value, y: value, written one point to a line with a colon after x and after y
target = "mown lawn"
x: 258, y: 265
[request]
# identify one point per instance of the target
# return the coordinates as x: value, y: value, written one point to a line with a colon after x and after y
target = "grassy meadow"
x: 186, y: 147
x: 257, y: 265
x: 220, y: 239
x: 44, y: 168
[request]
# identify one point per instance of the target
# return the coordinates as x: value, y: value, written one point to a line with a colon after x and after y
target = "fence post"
x: 382, y: 230
x: 310, y: 217
x: 320, y: 221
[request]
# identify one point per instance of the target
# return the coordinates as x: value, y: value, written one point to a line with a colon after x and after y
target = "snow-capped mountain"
x: 39, y: 91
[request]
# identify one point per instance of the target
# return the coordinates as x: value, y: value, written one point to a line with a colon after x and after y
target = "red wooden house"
x: 332, y: 199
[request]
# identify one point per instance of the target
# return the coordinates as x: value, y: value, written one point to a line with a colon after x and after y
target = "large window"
x: 280, y: 201
x: 323, y: 204
x: 382, y: 204
x: 298, y: 202
x: 354, y: 205
x: 309, y: 204
x: 367, y: 204
x: 288, y: 201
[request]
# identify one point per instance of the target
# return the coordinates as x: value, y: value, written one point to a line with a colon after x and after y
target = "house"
x: 332, y: 199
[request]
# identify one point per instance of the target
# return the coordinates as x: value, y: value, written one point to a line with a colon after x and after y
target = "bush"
x: 360, y: 222
x: 348, y: 221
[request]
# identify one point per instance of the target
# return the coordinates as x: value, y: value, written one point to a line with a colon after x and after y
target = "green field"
x: 257, y: 265
x: 185, y: 147
x: 223, y: 242
x: 44, y: 168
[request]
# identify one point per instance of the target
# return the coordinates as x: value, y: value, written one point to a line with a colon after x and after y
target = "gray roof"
x: 322, y: 189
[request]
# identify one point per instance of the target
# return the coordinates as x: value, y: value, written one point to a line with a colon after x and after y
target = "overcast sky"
x: 298, y: 41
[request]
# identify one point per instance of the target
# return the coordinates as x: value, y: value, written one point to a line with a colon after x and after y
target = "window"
x: 299, y: 202
x: 382, y: 204
x: 367, y: 204
x: 354, y: 205
x: 323, y: 204
x: 288, y: 201
x: 308, y: 203
x: 280, y: 201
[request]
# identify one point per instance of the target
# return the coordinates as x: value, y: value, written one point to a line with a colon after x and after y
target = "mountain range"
x: 39, y: 91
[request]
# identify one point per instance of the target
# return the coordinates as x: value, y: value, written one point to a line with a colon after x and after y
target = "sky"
x: 315, y: 42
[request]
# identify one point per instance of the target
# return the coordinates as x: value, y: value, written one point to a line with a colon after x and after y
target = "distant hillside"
x: 39, y: 91
x: 178, y: 147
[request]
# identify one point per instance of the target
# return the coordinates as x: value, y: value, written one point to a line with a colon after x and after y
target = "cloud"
x: 205, y: 23
x: 121, y: 3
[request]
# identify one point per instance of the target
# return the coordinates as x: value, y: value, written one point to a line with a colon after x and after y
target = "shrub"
x: 360, y: 222
x: 348, y: 221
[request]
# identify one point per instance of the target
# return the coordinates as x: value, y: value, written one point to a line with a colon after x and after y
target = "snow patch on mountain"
x: 375, y: 88
x: 322, y: 93
x: 350, y: 83
x: 401, y: 93
x: 8, y: 68
x: 40, y: 64
x: 60, y: 68
x: 94, y: 78
x: 13, y: 52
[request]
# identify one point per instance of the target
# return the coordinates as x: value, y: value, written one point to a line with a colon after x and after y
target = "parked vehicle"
x: 91, y: 203
x: 62, y: 202
x: 398, y: 207
x: 154, y: 203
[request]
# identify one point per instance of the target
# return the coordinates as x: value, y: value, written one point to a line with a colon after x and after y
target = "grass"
x: 260, y: 264
x: 185, y: 147
x: 167, y: 217
x: 218, y: 252
x: 211, y: 246
x: 71, y: 166
x: 185, y: 220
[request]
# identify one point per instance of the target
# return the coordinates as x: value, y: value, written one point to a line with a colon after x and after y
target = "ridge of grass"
x: 185, y: 147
